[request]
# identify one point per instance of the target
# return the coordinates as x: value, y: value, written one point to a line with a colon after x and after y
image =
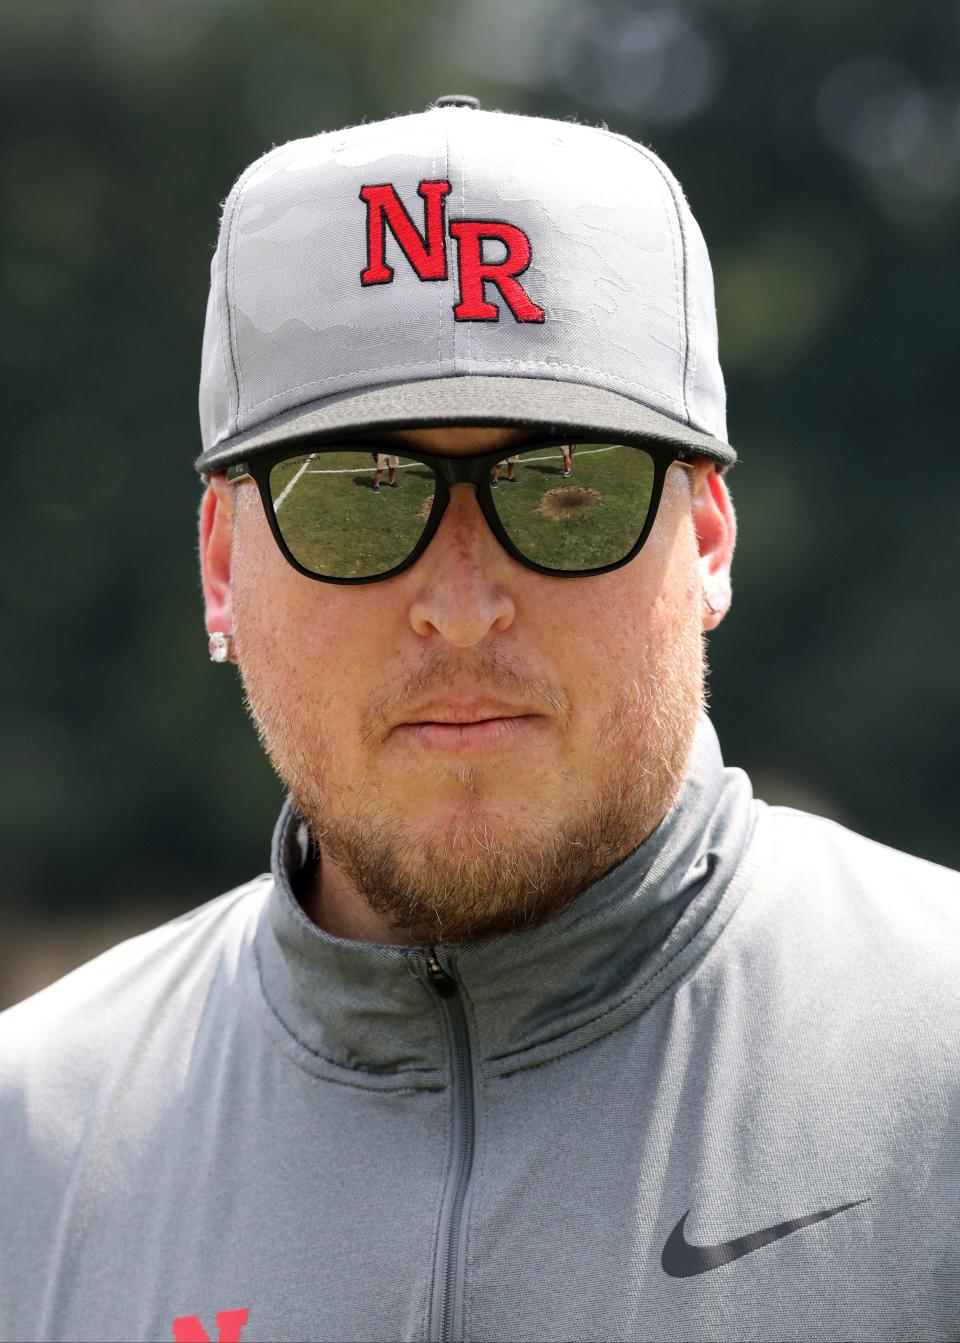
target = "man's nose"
x: 462, y: 579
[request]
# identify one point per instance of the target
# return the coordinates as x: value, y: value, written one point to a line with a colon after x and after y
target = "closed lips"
x: 468, y: 726
x: 463, y: 713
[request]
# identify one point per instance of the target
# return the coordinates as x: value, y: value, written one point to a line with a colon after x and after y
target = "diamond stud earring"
x: 716, y: 600
x: 221, y: 647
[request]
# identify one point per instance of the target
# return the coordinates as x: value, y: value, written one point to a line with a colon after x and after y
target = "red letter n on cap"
x: 475, y: 272
x: 428, y: 258
x: 188, y: 1328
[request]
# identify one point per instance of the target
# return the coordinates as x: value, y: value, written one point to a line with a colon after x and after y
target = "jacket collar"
x: 531, y: 994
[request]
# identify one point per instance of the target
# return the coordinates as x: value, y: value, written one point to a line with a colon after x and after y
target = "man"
x: 540, y: 1027
x: 511, y: 464
x: 386, y: 461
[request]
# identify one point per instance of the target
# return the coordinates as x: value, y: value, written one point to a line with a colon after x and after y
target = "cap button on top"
x: 457, y: 100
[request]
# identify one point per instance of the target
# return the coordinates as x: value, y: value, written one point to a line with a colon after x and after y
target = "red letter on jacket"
x: 475, y: 272
x: 188, y: 1329
x: 428, y: 259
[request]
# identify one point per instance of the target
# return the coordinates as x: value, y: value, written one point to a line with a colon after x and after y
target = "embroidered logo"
x: 189, y: 1329
x: 427, y: 254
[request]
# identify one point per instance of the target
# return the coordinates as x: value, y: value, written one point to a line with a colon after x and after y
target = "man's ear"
x: 715, y: 524
x: 216, y: 543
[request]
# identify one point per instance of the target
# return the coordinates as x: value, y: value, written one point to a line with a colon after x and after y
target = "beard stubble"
x: 473, y: 877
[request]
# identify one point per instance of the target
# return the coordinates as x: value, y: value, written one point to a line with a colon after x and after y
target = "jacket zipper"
x: 446, y: 1304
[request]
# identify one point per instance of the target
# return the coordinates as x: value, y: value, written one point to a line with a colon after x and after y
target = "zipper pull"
x: 443, y: 983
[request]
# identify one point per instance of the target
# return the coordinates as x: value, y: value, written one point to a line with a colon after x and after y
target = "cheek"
x: 618, y: 621
x: 304, y: 642
x: 272, y: 610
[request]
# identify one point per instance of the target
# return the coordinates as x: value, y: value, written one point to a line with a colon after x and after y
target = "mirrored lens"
x: 351, y: 514
x: 581, y: 506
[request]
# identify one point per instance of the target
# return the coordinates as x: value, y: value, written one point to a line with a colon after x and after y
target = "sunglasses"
x: 352, y: 512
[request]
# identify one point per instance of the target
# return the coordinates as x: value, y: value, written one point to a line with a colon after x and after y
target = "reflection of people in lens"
x: 386, y: 462
x: 511, y: 464
x: 567, y: 450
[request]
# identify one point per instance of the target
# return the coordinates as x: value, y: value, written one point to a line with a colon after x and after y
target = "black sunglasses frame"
x: 455, y: 471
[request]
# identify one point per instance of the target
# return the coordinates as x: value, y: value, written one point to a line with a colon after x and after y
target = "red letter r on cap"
x: 475, y: 272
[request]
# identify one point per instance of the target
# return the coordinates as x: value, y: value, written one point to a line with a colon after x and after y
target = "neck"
x: 330, y: 899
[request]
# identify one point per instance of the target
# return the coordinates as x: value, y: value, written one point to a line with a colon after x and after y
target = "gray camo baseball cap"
x: 458, y: 266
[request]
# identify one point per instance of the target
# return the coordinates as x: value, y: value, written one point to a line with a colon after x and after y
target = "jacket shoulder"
x: 872, y: 877
x: 864, y: 922
x: 93, y: 1012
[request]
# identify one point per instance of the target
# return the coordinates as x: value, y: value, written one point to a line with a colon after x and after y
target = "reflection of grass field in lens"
x: 334, y: 523
x: 585, y: 521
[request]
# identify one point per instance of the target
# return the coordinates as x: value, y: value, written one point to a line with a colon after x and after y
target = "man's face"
x: 451, y: 833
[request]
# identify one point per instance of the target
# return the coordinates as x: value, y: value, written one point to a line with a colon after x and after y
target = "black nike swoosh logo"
x: 682, y: 1260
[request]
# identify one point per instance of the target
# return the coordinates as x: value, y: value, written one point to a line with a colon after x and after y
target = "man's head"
x: 590, y: 686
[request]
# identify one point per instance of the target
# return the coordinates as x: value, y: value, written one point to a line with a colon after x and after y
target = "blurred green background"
x: 819, y: 145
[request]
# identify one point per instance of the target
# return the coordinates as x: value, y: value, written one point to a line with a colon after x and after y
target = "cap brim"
x: 467, y: 399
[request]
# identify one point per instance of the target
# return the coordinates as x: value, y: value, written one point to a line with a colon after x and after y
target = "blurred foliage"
x: 820, y: 148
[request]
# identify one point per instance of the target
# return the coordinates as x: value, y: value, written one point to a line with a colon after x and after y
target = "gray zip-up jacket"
x: 716, y: 1099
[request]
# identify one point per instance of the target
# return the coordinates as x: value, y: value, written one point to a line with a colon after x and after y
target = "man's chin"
x: 465, y: 897
x: 474, y: 871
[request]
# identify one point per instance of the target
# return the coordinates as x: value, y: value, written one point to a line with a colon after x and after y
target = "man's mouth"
x: 458, y: 726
